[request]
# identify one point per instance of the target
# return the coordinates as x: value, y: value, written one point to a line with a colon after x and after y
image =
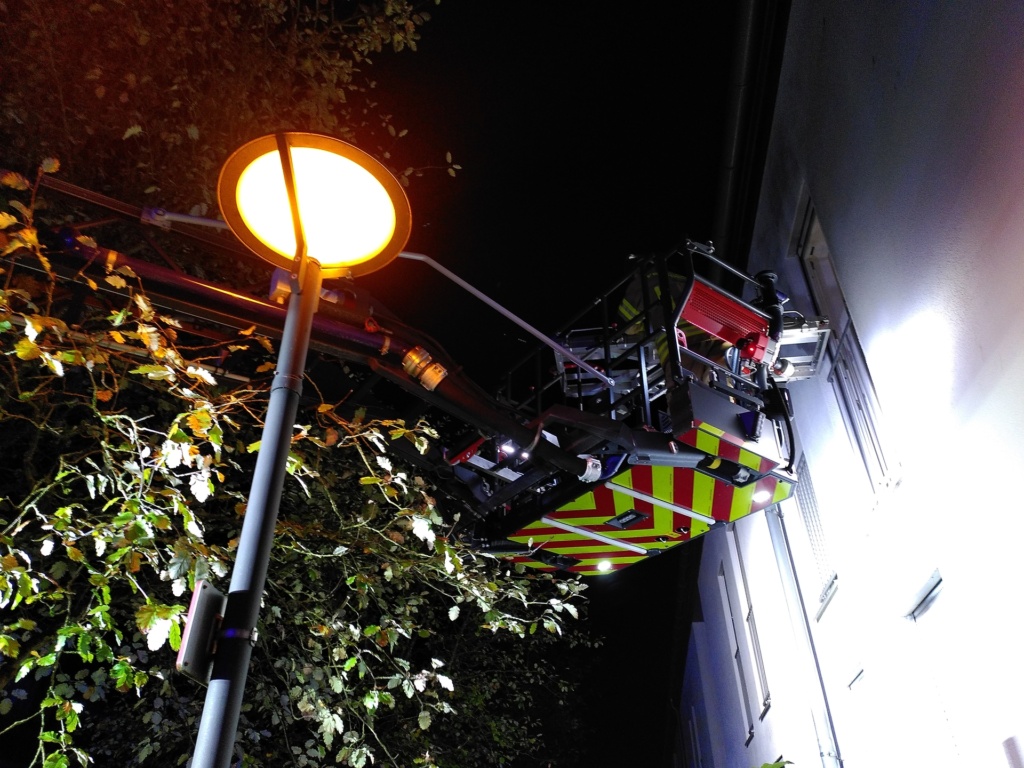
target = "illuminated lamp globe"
x: 354, y: 215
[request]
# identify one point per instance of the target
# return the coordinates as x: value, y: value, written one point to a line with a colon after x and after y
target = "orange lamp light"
x: 353, y: 215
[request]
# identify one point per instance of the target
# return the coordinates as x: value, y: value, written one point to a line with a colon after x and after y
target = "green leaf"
x: 71, y: 716
x: 146, y: 616
x: 14, y: 181
x: 26, y: 349
x: 175, y: 636
x: 9, y: 646
x: 155, y: 371
x: 424, y: 719
x: 84, y: 650
x: 28, y: 235
x: 134, y: 130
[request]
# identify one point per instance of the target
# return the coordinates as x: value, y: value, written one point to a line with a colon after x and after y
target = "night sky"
x: 584, y: 137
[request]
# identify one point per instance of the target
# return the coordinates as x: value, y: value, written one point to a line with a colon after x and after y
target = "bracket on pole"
x: 202, y: 627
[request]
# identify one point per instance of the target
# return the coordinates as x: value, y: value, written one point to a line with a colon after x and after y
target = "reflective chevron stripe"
x: 656, y: 501
x: 717, y: 442
x: 665, y: 507
x: 589, y: 560
x: 592, y: 535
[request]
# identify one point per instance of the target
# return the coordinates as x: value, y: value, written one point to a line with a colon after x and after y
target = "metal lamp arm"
x: 507, y: 314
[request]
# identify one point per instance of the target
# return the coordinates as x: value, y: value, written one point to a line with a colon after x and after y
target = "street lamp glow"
x: 335, y: 196
x: 353, y: 213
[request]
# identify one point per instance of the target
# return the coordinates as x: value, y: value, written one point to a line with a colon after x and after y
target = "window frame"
x: 847, y: 367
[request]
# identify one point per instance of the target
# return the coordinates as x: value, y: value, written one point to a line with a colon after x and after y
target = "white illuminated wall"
x: 903, y: 124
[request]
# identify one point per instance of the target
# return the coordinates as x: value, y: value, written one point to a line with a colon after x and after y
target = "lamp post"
x: 320, y: 208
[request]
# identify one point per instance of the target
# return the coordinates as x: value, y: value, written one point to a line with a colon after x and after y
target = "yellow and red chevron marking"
x: 590, y: 555
x: 588, y: 552
x: 683, y: 487
x: 717, y: 442
x: 577, y: 545
x: 593, y: 511
x: 660, y: 530
x: 680, y: 486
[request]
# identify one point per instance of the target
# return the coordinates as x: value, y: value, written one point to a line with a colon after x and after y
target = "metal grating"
x: 808, y: 503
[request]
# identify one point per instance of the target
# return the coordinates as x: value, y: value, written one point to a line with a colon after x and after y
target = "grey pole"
x: 219, y: 723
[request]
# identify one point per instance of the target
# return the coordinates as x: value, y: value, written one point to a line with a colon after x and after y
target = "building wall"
x: 902, y: 126
x: 745, y: 700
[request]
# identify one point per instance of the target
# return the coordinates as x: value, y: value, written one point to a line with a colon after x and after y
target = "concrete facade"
x: 896, y: 161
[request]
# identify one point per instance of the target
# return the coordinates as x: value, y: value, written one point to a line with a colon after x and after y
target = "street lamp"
x: 317, y: 207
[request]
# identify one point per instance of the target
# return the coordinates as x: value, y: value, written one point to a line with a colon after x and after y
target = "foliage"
x: 128, y: 443
x: 145, y: 99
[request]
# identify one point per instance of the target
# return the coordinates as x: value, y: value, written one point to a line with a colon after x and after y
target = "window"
x: 744, y: 644
x: 849, y: 373
x: 696, y: 759
x: 734, y: 648
x: 828, y: 580
x: 753, y: 642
